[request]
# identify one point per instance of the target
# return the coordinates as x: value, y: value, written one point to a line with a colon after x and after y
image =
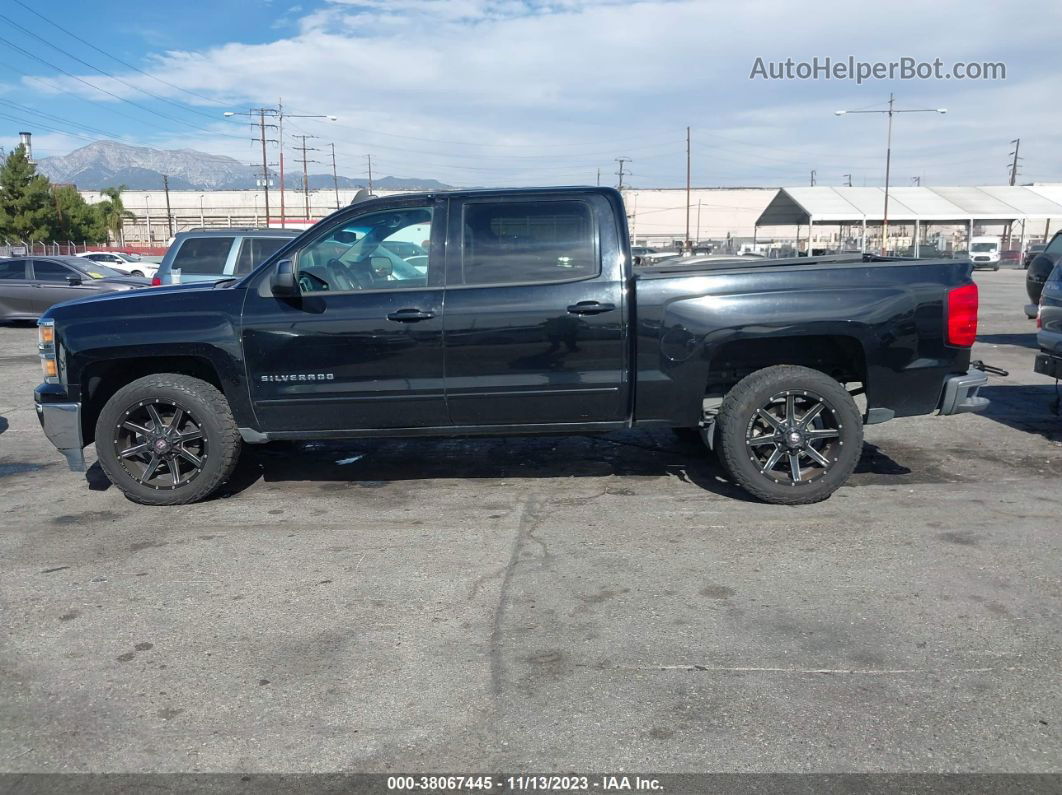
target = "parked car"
x: 650, y: 256
x: 1049, y: 321
x: 1040, y: 268
x: 528, y: 320
x: 984, y: 252
x: 30, y: 285
x: 209, y: 255
x: 1031, y: 252
x: 129, y: 264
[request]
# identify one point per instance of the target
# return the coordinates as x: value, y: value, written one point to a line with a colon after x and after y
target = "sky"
x: 539, y: 92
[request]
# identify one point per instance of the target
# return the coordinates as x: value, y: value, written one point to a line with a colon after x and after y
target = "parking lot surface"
x: 545, y: 604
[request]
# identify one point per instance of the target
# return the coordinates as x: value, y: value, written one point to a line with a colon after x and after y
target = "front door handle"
x: 410, y: 315
x: 590, y: 308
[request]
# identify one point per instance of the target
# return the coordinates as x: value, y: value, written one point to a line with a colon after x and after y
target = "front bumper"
x: 62, y: 425
x: 960, y: 393
x: 1048, y: 365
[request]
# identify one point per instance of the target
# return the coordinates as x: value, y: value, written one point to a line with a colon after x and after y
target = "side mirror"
x: 381, y: 267
x: 73, y: 281
x: 283, y: 282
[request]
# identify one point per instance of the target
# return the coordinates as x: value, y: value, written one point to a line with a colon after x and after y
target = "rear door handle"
x: 590, y: 308
x: 410, y: 315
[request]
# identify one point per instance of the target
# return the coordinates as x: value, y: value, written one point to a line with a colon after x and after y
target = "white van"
x: 984, y: 252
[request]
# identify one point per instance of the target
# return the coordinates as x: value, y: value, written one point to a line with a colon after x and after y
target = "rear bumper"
x: 1048, y: 365
x: 62, y: 425
x: 960, y: 393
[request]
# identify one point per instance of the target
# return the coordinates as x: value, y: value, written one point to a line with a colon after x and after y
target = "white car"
x: 119, y: 261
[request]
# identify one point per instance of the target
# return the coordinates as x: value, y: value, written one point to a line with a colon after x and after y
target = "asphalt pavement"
x: 545, y: 604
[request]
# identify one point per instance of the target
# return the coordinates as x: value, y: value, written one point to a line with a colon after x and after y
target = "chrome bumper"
x: 62, y: 425
x: 960, y: 393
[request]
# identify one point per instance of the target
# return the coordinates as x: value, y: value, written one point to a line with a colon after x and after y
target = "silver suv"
x: 203, y: 255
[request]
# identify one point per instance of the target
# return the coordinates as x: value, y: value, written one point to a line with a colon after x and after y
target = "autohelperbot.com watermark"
x: 851, y: 68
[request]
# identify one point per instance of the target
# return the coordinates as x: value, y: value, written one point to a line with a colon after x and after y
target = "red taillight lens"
x: 962, y: 316
x: 156, y: 281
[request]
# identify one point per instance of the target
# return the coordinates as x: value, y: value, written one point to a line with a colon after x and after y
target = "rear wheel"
x: 137, y: 273
x: 789, y: 435
x: 167, y: 439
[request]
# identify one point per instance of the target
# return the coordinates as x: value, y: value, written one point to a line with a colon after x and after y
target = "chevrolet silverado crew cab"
x: 525, y: 316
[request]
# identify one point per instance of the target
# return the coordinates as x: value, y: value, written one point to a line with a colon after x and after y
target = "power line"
x: 111, y: 93
x: 101, y: 71
x: 115, y: 58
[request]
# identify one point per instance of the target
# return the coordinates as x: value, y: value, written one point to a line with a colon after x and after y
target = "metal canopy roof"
x: 792, y: 206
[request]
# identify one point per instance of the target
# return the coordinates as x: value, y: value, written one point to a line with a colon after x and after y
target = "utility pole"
x: 369, y: 159
x: 599, y: 177
x: 265, y: 159
x: 890, y: 112
x: 335, y: 175
x: 279, y: 114
x: 1014, y: 162
x: 305, y: 169
x: 698, y: 220
x: 1013, y: 178
x: 688, y: 245
x: 280, y: 138
x: 169, y: 215
x: 813, y: 178
x: 621, y: 161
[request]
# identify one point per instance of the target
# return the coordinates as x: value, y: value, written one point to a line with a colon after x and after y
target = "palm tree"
x: 114, y: 213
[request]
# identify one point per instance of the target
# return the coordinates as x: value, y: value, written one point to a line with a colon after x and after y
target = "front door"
x: 56, y: 282
x: 361, y: 346
x: 534, y: 329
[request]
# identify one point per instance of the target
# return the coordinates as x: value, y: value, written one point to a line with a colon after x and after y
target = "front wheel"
x: 789, y: 435
x: 137, y: 273
x: 167, y: 439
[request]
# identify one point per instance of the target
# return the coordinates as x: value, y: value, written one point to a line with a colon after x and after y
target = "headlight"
x: 46, y: 349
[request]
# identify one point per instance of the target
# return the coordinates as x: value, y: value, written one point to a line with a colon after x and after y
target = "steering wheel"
x: 308, y: 283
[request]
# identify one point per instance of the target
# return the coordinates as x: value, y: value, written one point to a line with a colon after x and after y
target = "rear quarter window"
x: 206, y: 255
x: 256, y: 250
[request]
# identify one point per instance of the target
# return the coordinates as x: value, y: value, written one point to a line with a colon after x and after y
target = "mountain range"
x: 104, y: 164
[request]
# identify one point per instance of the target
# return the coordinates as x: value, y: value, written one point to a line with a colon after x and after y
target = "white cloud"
x: 505, y: 91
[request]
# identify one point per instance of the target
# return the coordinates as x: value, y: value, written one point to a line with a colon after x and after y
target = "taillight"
x: 962, y: 316
x: 156, y: 281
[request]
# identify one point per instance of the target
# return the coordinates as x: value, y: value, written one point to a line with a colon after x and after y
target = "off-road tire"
x: 738, y: 412
x: 212, y: 415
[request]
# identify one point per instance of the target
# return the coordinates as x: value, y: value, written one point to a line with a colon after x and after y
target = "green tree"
x: 114, y: 213
x: 26, y: 208
x: 75, y: 219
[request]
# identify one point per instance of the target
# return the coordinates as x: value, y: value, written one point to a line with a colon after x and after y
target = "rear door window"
x: 12, y: 269
x: 527, y: 242
x: 206, y: 255
x: 256, y: 250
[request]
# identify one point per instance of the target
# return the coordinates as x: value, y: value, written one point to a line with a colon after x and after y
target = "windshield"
x: 984, y: 247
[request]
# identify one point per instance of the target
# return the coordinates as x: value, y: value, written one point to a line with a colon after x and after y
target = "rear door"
x: 535, y: 325
x: 16, y: 290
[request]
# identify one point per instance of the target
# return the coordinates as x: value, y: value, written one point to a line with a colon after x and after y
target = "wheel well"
x: 838, y: 356
x: 99, y: 381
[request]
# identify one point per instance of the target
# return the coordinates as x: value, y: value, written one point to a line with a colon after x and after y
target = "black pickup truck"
x: 521, y: 312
